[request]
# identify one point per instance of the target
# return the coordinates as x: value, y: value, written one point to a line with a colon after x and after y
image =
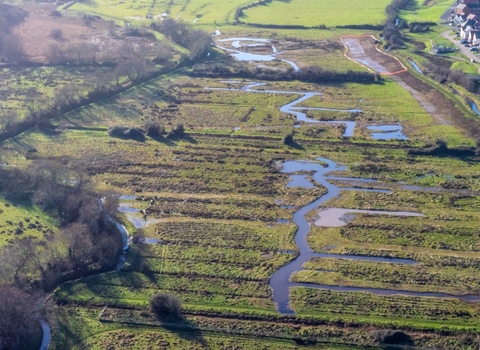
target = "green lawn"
x: 429, y: 13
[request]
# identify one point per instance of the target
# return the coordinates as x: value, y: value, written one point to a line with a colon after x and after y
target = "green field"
x: 427, y: 13
x: 20, y: 221
x: 312, y: 13
x: 200, y: 12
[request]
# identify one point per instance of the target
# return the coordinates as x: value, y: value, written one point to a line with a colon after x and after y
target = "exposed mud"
x: 364, y: 51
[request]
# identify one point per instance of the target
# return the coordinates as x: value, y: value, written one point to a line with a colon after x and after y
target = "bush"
x: 178, y: 131
x: 288, y: 140
x: 56, y: 34
x: 165, y: 305
x: 154, y: 129
x: 126, y: 133
x: 389, y: 336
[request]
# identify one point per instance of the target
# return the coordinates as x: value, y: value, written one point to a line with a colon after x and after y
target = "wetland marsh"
x: 292, y: 212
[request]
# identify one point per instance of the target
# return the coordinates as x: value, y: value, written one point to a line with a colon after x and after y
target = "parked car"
x: 467, y: 45
x: 463, y: 41
x: 475, y: 48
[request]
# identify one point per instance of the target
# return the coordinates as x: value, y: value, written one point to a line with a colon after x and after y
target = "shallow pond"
x: 247, y: 56
x: 474, y: 107
x: 387, y: 132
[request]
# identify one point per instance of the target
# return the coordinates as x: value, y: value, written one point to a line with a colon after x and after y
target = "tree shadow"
x: 189, y: 139
x: 296, y: 146
x: 185, y: 330
x: 164, y: 140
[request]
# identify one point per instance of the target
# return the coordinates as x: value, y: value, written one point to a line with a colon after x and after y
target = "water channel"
x: 47, y: 335
x: 280, y: 280
x: 416, y: 67
x: 290, y: 108
x: 474, y: 107
x: 236, y: 43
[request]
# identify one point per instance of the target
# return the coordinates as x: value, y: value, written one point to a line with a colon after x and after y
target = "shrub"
x: 154, y: 129
x: 126, y: 133
x: 56, y: 34
x: 178, y: 131
x: 389, y: 336
x: 134, y: 134
x: 165, y: 305
x: 288, y: 140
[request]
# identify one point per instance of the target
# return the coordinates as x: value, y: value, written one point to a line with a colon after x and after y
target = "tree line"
x: 87, y: 238
x: 87, y: 242
x: 10, y: 47
x: 197, y: 42
x: 315, y: 74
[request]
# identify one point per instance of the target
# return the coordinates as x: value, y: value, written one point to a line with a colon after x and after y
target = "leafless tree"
x: 7, y: 120
x: 20, y: 314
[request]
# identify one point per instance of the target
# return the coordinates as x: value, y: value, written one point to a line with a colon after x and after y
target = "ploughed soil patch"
x: 440, y: 107
x: 363, y: 50
x: 390, y: 63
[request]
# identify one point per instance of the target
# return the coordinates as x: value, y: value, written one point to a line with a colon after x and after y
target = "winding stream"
x: 280, y: 280
x: 47, y: 335
x: 125, y: 237
x: 247, y: 56
x: 290, y: 108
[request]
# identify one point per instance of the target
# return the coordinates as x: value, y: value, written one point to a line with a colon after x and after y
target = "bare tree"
x: 11, y: 48
x: 56, y: 34
x: 20, y: 314
x: 7, y: 120
x: 14, y: 259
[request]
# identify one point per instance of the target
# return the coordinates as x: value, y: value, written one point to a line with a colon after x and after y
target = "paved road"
x: 446, y: 15
x: 464, y: 50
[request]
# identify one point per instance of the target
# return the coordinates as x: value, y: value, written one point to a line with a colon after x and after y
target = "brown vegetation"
x: 48, y: 37
x: 20, y: 315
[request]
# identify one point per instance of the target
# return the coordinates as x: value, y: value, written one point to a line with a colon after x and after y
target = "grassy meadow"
x: 200, y: 12
x: 20, y: 221
x: 312, y: 13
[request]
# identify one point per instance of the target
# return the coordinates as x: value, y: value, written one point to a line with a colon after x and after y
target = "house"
x: 465, y: 32
x: 458, y: 19
x: 474, y: 37
x: 471, y: 24
x: 462, y: 10
x: 472, y: 17
x: 468, y: 7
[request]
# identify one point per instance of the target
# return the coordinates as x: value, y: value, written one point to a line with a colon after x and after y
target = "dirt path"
x: 365, y: 52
